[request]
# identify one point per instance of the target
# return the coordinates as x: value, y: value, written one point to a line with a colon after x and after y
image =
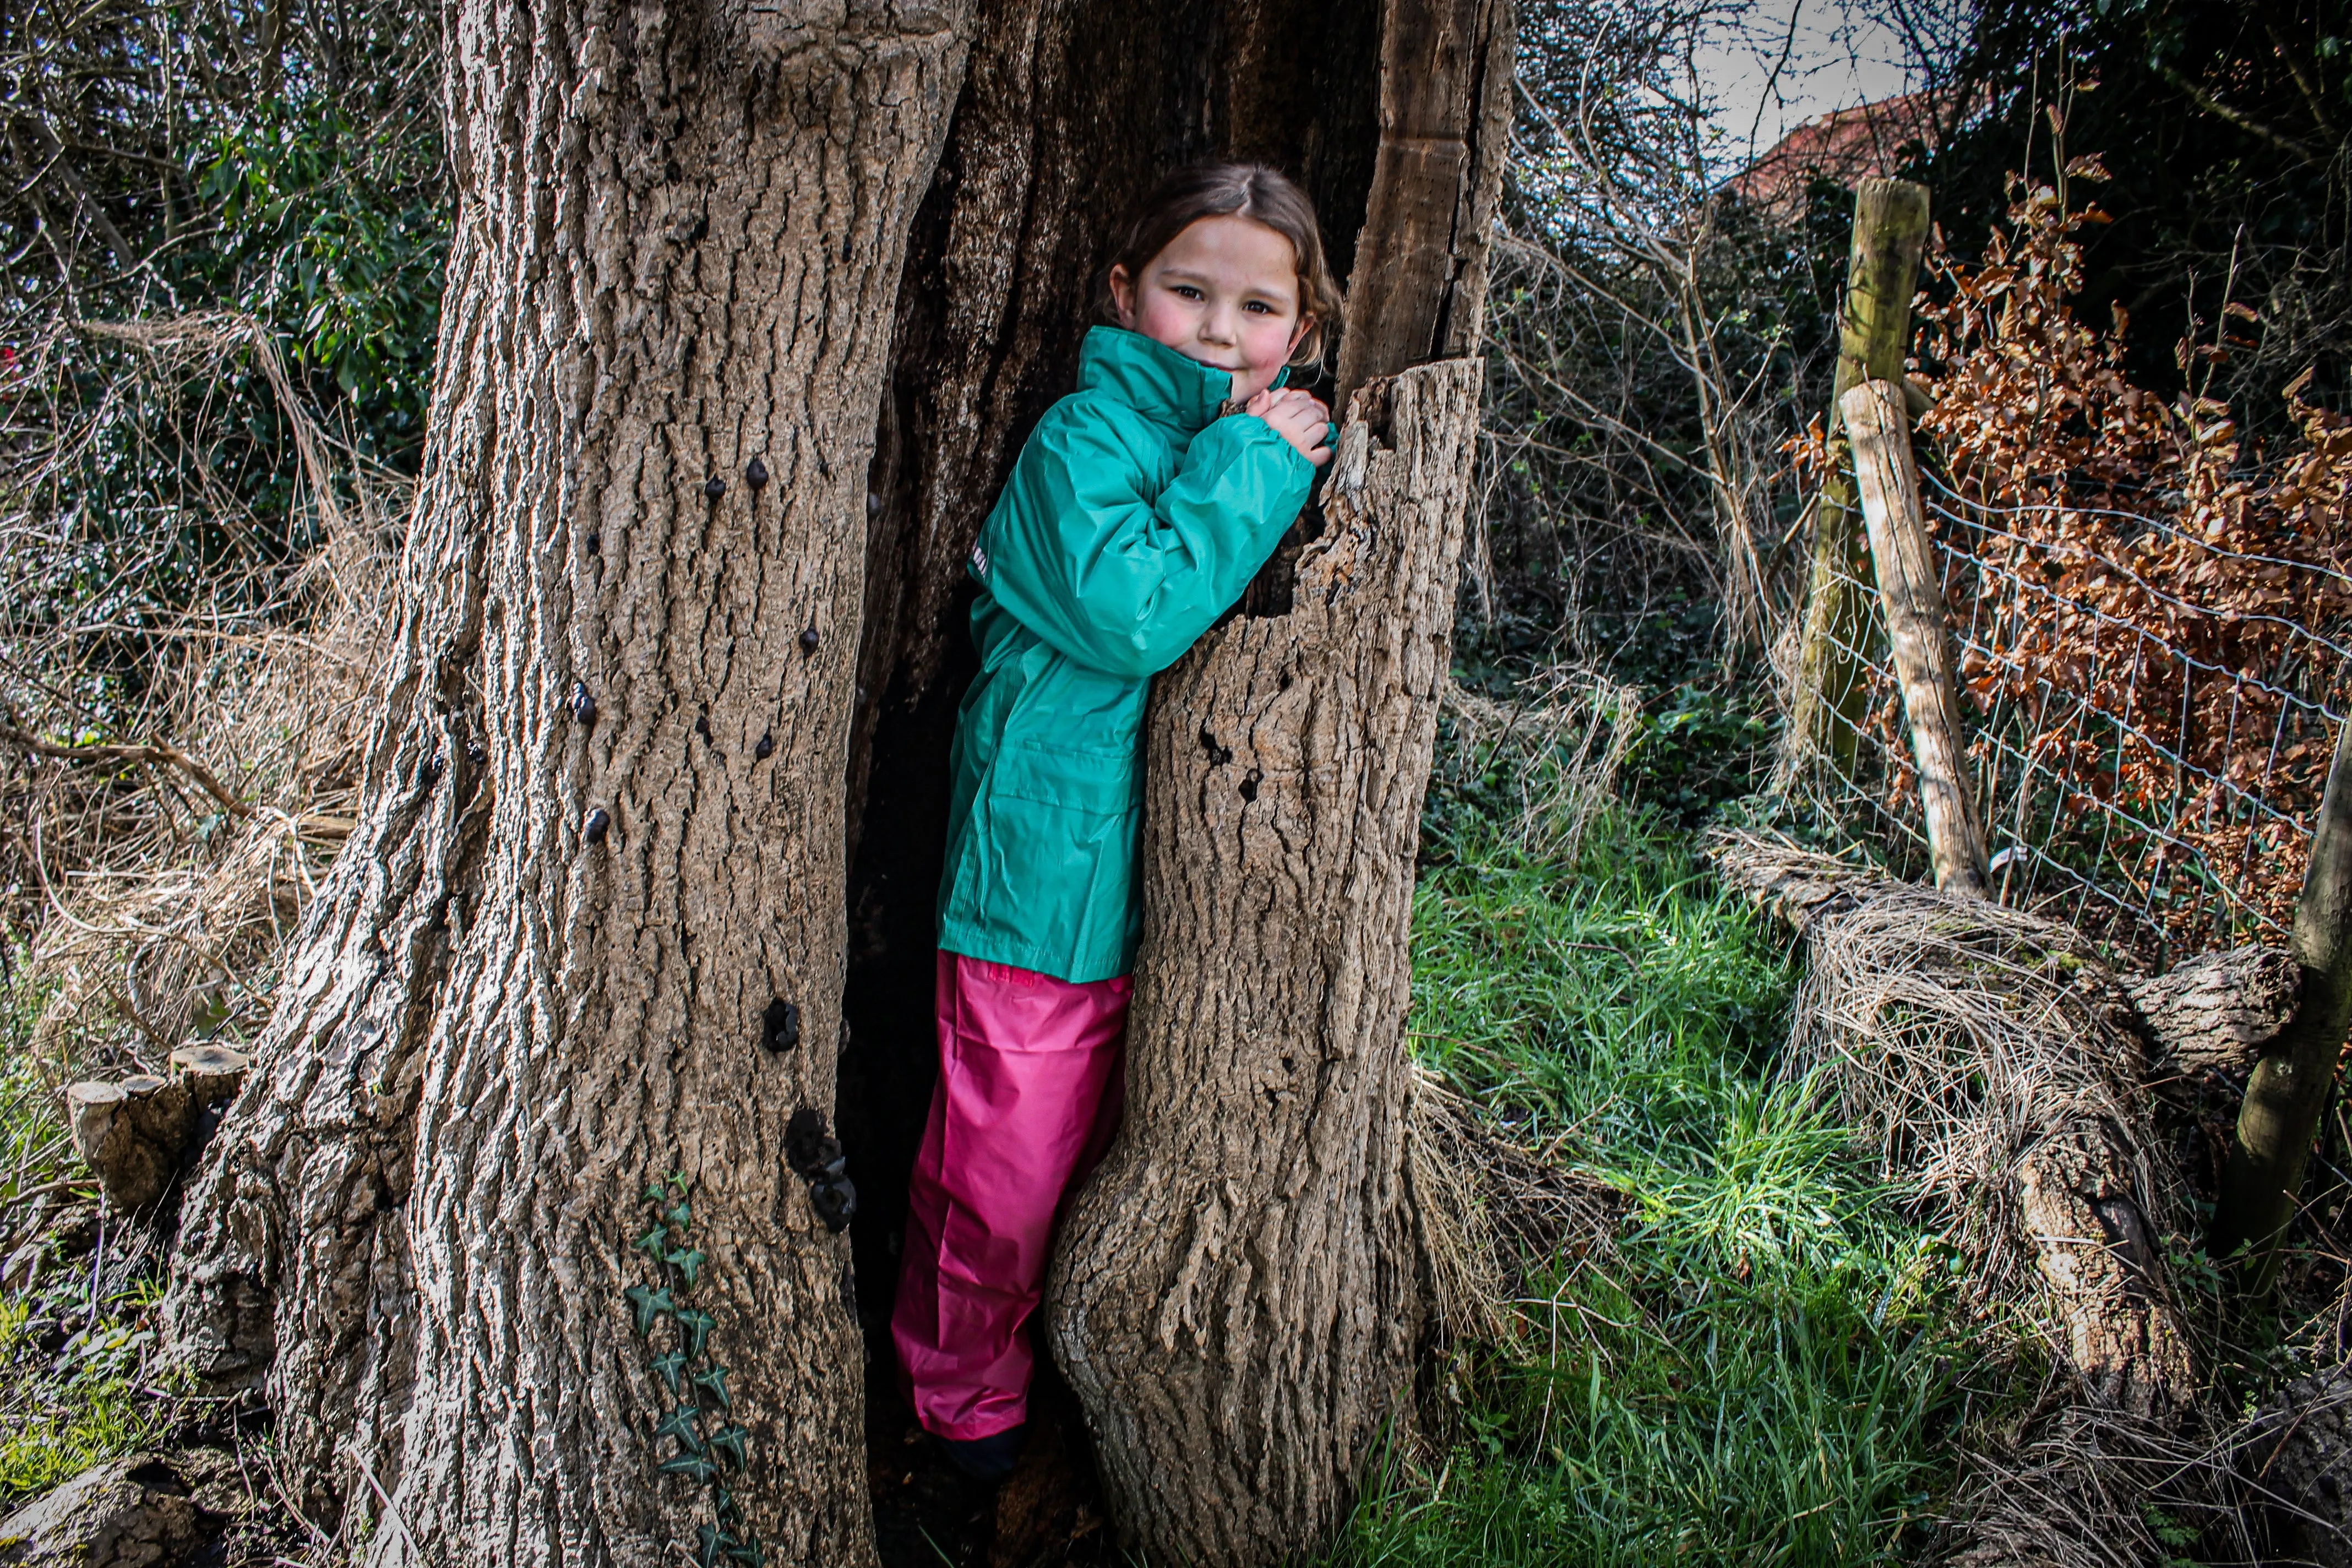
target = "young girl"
x: 1140, y: 509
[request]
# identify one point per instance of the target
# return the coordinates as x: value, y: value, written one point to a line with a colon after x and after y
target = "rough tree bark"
x: 1235, y: 1294
x: 590, y: 928
x: 1418, y: 288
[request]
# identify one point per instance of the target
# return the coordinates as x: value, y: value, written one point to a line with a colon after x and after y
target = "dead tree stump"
x: 130, y: 1139
x: 135, y: 1133
x: 1236, y: 1298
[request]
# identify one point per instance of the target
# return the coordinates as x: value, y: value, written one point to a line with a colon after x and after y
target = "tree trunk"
x: 590, y: 929
x: 2298, y: 1071
x: 1418, y: 288
x: 1235, y: 1295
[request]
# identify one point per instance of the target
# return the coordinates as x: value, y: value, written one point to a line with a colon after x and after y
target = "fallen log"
x: 2004, y: 1069
x: 2212, y: 1012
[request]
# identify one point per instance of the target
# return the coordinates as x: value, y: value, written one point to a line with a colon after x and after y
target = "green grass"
x: 67, y: 1412
x: 1769, y: 1370
x: 33, y: 1144
x: 75, y: 1384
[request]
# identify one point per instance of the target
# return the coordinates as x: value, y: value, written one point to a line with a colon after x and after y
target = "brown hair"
x: 1238, y: 190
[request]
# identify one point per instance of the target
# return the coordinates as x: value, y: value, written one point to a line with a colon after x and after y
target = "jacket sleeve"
x: 1124, y: 581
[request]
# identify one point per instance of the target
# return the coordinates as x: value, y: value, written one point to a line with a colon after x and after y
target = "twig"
x: 171, y: 756
x: 390, y: 1510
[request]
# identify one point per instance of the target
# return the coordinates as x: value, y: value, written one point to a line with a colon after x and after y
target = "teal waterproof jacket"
x: 1134, y: 518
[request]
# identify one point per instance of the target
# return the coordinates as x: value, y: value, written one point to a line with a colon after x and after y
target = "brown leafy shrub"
x: 2151, y: 616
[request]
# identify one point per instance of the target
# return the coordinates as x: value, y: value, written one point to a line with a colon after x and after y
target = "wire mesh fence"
x: 2148, y: 765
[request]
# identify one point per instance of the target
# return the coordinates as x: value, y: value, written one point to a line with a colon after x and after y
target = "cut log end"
x: 213, y: 1074
x: 133, y: 1133
x: 2216, y: 1011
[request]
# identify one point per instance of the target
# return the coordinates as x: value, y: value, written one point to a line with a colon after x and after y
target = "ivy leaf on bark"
x: 693, y: 1467
x: 732, y: 1443
x: 685, y: 1425
x: 712, y: 1546
x: 713, y: 1381
x: 697, y: 1326
x: 648, y: 1304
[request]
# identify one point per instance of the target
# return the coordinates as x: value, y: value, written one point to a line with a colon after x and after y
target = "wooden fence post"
x: 2290, y: 1084
x: 1890, y: 227
x: 1911, y: 594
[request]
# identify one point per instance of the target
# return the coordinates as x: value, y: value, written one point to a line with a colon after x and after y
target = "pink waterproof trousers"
x: 1029, y: 1095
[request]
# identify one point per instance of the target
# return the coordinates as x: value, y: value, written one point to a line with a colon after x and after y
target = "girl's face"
x: 1225, y: 293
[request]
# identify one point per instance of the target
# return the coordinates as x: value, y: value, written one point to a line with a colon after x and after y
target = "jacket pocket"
x: 1075, y: 778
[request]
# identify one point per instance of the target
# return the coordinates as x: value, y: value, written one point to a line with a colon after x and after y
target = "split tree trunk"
x: 679, y: 235
x: 1234, y: 1296
x: 550, y: 961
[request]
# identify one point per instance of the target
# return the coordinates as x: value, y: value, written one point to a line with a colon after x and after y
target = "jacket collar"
x: 1155, y: 380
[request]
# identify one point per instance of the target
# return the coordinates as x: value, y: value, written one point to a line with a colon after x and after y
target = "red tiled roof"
x: 1845, y: 145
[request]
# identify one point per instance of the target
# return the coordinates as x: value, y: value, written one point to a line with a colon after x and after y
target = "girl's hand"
x: 1299, y: 417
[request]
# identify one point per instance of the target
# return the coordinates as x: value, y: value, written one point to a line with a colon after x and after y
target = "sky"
x: 1839, y: 53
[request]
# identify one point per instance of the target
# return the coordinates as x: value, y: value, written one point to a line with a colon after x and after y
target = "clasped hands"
x: 1299, y: 417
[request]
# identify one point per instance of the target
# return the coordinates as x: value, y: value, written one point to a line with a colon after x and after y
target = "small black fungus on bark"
x: 779, y: 1026
x: 765, y: 749
x: 593, y: 829
x: 755, y: 474
x: 809, y: 639
x: 836, y: 1202
x: 818, y: 1160
x: 583, y: 706
x: 1218, y: 755
x: 714, y: 487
